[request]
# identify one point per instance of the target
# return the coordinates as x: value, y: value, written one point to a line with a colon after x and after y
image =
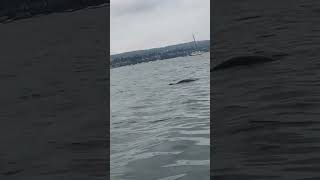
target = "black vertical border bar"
x: 108, y: 59
x: 211, y: 87
x: 27, y: 149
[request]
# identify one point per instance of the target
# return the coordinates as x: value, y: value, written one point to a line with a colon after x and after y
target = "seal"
x: 184, y: 81
x: 242, y: 61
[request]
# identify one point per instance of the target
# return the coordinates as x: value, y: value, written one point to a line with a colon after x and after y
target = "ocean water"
x: 158, y: 131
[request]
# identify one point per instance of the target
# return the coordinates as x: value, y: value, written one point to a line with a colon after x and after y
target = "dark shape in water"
x: 184, y: 81
x: 242, y: 61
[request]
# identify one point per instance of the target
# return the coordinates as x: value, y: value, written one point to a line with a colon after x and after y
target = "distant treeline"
x: 16, y: 9
x: 179, y: 50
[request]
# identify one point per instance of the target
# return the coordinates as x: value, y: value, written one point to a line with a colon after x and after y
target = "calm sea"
x: 158, y: 131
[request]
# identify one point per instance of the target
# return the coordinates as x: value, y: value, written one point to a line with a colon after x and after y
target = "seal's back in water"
x: 242, y: 61
x: 184, y: 81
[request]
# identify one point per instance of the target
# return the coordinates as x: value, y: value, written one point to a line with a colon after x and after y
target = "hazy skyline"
x: 145, y: 24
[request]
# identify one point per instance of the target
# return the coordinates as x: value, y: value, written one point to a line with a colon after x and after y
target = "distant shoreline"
x: 152, y: 61
x: 162, y: 53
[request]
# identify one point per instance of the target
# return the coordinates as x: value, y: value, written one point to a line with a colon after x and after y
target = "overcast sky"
x: 145, y: 24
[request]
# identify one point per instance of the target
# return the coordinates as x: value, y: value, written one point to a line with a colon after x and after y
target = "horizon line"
x: 155, y: 47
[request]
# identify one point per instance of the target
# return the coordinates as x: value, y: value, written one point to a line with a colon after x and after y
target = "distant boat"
x: 196, y: 52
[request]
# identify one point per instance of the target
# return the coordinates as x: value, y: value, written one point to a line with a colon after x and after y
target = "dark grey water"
x: 159, y: 131
x: 266, y: 116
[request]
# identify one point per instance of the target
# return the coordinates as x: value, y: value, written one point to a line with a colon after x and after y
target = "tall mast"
x: 195, y: 42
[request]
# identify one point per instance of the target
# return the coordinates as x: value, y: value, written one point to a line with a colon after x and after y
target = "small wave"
x: 173, y: 177
x: 189, y: 163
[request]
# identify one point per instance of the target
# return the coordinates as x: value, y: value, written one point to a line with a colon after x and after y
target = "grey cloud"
x: 137, y: 6
x: 142, y: 24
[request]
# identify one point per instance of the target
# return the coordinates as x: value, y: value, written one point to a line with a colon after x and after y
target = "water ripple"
x: 155, y: 126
